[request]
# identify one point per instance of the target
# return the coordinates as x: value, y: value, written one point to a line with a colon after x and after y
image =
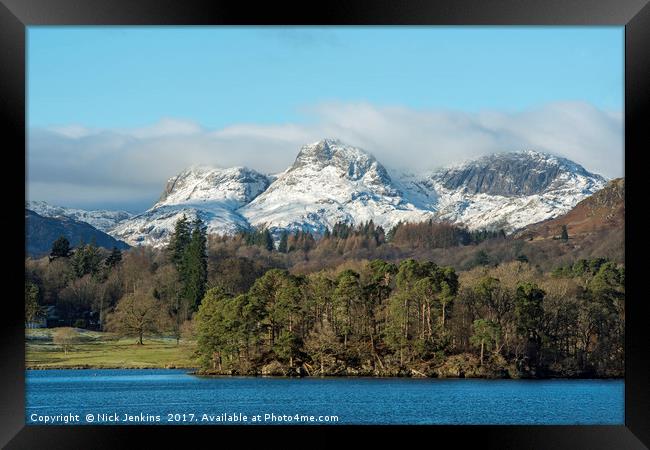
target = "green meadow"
x: 106, y: 351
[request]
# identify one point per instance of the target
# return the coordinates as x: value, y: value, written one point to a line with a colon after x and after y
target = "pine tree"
x: 179, y: 241
x: 529, y: 315
x: 391, y: 233
x: 195, y: 264
x: 267, y: 240
x: 283, y: 247
x: 565, y: 233
x: 485, y: 333
x: 86, y: 260
x: 482, y: 258
x: 188, y: 251
x: 32, y: 309
x: 347, y: 293
x: 286, y: 313
x: 60, y: 248
x: 114, y: 258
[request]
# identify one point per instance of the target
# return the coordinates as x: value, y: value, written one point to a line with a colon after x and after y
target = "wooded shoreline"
x: 414, y: 374
x: 366, y: 317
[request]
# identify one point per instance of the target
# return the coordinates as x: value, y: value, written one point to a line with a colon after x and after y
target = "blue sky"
x: 105, y: 102
x: 130, y: 76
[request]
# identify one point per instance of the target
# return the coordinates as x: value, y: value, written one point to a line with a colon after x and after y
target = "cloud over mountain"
x: 77, y: 166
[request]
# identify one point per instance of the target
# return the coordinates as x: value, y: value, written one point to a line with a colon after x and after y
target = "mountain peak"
x: 237, y: 185
x: 213, y: 194
x: 329, y: 142
x: 510, y: 174
x: 326, y: 149
x: 331, y: 182
x: 353, y: 162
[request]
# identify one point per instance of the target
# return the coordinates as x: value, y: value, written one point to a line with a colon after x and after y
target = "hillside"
x: 103, y: 220
x: 604, y: 210
x: 41, y: 232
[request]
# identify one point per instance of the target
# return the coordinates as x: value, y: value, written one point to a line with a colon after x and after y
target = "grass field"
x: 105, y: 350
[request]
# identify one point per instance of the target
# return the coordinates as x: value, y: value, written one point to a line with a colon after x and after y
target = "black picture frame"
x: 15, y: 15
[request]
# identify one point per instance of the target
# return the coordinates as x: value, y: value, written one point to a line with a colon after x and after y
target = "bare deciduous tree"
x: 65, y: 337
x: 137, y: 314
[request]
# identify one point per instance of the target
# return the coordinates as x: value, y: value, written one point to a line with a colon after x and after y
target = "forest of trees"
x: 416, y: 318
x: 142, y: 292
x: 352, y: 301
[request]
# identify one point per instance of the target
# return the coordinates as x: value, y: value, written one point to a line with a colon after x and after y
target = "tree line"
x: 416, y: 318
x: 253, y: 309
x: 428, y: 234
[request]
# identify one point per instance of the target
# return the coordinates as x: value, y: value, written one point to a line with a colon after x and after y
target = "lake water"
x: 175, y: 397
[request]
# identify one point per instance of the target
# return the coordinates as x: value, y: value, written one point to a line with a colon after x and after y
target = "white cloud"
x: 165, y: 127
x: 132, y: 165
x: 74, y: 131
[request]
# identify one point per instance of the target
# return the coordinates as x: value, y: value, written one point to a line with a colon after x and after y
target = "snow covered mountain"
x: 330, y: 182
x: 212, y: 194
x: 231, y: 187
x: 508, y: 190
x: 103, y: 220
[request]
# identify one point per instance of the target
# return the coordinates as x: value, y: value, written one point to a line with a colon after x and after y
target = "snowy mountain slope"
x: 103, y: 220
x: 330, y: 182
x: 516, y: 174
x: 153, y: 227
x: 602, y: 211
x: 232, y: 187
x: 212, y: 194
x: 509, y: 190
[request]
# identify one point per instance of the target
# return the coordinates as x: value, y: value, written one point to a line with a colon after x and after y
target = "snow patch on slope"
x: 509, y: 190
x: 330, y: 182
x: 103, y: 220
x: 212, y: 194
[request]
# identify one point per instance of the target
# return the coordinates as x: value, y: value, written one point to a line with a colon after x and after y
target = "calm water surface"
x: 174, y: 396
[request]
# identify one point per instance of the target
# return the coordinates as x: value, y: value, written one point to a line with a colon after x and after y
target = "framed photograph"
x: 375, y: 218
